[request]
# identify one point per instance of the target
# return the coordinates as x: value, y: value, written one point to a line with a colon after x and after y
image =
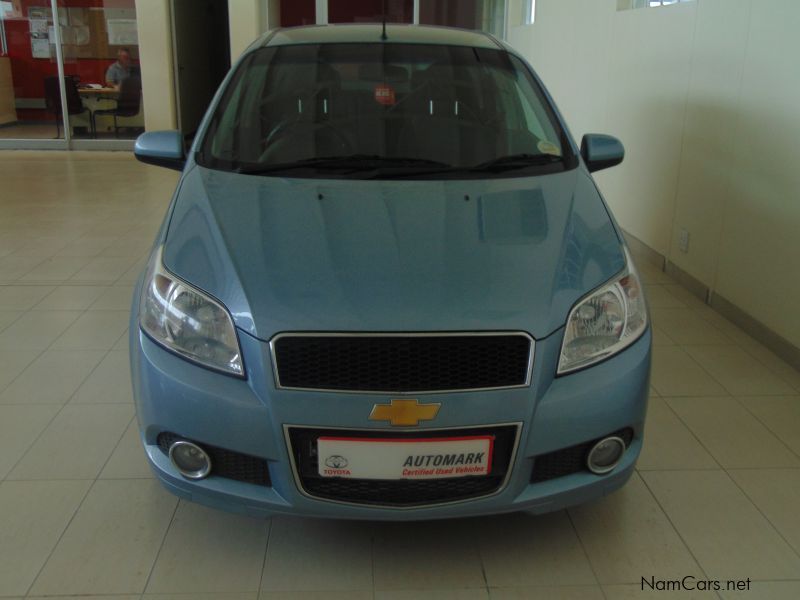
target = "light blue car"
x: 387, y: 287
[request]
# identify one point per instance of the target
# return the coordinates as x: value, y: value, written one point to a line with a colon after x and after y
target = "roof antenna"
x: 383, y: 35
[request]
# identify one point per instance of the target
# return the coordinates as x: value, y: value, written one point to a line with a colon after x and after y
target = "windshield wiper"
x: 352, y: 163
x: 517, y: 161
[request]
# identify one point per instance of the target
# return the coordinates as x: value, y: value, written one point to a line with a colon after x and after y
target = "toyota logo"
x: 336, y: 462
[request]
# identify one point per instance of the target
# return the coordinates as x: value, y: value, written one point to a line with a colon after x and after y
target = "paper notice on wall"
x: 40, y: 48
x: 36, y: 13
x: 38, y: 27
x: 82, y: 35
x: 40, y: 45
x: 122, y: 32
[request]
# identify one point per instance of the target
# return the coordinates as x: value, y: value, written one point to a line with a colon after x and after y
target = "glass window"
x: 101, y: 85
x: 30, y: 97
x: 370, y: 11
x: 392, y: 109
x: 483, y: 15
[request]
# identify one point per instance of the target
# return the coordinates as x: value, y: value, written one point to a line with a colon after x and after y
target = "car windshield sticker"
x: 384, y: 94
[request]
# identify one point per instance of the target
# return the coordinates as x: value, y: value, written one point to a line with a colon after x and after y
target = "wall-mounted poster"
x: 122, y: 32
x: 38, y: 23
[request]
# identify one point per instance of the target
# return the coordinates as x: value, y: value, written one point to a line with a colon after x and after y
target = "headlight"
x: 605, y: 322
x: 188, y: 322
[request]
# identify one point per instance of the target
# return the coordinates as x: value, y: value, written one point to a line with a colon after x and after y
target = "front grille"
x: 400, y: 492
x: 402, y: 363
x: 569, y: 460
x: 225, y: 463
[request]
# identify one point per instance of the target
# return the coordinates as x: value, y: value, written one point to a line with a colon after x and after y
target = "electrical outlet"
x: 683, y: 241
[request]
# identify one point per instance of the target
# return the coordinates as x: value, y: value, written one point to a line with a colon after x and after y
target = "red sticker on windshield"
x: 384, y: 94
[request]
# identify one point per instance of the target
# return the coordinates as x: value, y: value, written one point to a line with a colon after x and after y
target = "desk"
x: 107, y: 92
x: 104, y: 99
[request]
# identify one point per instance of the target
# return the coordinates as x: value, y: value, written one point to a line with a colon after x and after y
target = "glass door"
x: 103, y: 81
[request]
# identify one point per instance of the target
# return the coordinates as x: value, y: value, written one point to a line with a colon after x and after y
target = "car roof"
x: 371, y: 33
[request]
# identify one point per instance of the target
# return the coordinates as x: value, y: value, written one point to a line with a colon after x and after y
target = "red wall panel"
x: 298, y: 12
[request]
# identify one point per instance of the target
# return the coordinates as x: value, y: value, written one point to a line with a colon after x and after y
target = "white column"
x: 247, y: 20
x: 155, y: 55
x: 60, y: 64
x: 322, y: 12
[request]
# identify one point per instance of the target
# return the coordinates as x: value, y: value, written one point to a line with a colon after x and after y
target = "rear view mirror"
x: 601, y: 151
x: 161, y: 148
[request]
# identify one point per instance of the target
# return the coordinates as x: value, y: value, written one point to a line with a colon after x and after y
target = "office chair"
x: 52, y: 98
x: 128, y: 102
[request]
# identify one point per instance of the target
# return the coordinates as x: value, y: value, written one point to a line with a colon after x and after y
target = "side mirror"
x: 161, y: 148
x: 601, y: 151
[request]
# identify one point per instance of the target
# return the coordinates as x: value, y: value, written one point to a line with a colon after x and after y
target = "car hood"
x: 409, y: 255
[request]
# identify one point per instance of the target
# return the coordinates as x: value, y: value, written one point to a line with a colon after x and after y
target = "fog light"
x: 190, y: 459
x: 605, y: 455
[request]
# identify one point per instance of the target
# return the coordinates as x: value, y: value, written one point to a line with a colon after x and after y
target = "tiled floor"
x: 716, y: 495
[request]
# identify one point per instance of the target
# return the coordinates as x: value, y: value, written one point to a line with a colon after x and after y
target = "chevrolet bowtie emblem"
x: 404, y: 413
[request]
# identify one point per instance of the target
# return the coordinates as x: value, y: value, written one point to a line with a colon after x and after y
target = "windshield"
x: 384, y: 110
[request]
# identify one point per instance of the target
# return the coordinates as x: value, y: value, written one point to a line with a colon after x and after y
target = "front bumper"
x: 250, y: 416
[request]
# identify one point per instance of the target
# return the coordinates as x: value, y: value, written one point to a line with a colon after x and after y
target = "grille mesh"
x: 402, y: 363
x: 225, y: 463
x: 400, y: 493
x: 569, y: 460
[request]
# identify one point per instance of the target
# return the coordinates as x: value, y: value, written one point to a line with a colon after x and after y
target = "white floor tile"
x: 36, y: 330
x: 669, y: 444
x: 13, y: 363
x: 70, y: 297
x: 340, y: 552
x: 118, y: 297
x: 76, y: 444
x: 726, y: 533
x: 109, y: 382
x: 128, y: 460
x: 33, y: 515
x: 422, y: 594
x: 7, y: 317
x: 405, y: 555
x: 103, y: 269
x: 53, y: 269
x: 739, y: 372
x: 611, y: 531
x: 22, y: 297
x: 525, y: 550
x: 572, y: 592
x: 675, y: 373
x: 733, y: 436
x: 112, y: 542
x: 683, y: 326
x: 52, y: 377
x: 776, y: 492
x: 20, y: 426
x: 780, y: 414
x: 94, y: 330
x: 207, y: 550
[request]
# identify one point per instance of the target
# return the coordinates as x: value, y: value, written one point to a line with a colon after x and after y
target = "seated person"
x: 122, y: 69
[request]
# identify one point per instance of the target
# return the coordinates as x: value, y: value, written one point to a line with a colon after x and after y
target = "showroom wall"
x: 247, y: 20
x: 705, y: 97
x: 155, y: 44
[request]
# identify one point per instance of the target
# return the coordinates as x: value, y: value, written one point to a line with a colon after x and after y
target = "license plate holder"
x: 405, y: 458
